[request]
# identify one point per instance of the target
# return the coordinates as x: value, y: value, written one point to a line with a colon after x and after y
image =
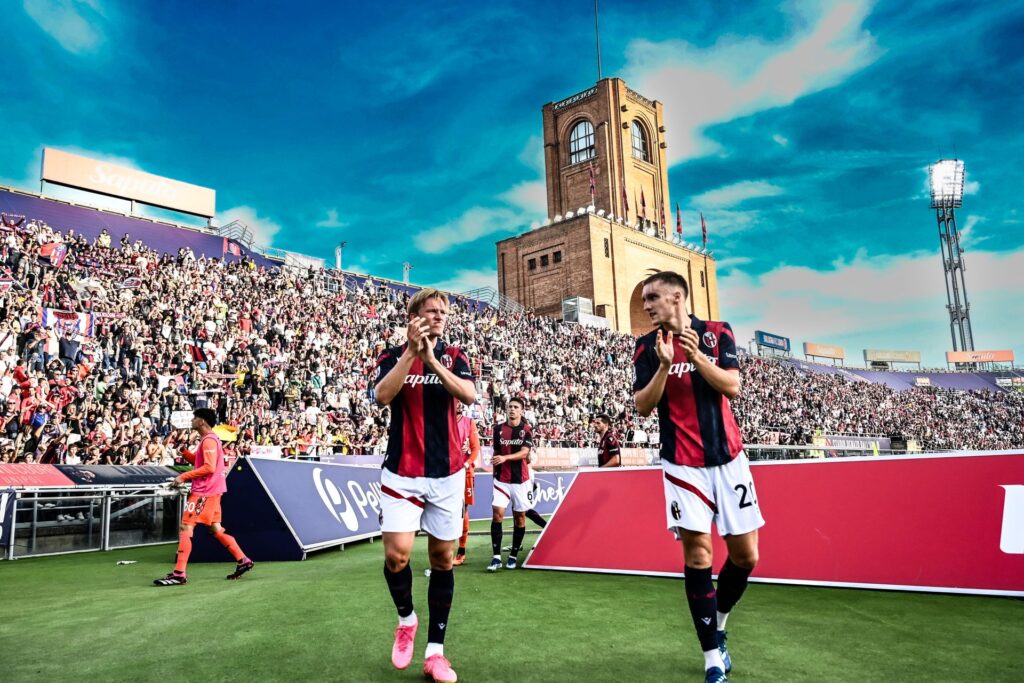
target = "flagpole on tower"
x: 597, y: 37
x: 707, y: 275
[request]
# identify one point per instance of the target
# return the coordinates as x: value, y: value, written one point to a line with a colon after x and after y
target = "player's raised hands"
x: 666, y: 351
x: 416, y: 333
x: 690, y: 341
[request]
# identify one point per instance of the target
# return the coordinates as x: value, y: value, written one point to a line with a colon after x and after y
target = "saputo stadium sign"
x: 72, y: 170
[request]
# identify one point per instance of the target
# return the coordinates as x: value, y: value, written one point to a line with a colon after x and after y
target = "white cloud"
x: 968, y: 239
x: 879, y: 302
x: 331, y: 221
x: 971, y: 187
x: 780, y: 139
x: 263, y: 229
x: 530, y: 196
x: 471, y: 225
x: 466, y: 279
x: 78, y: 26
x: 532, y: 154
x: 731, y: 195
x: 737, y: 77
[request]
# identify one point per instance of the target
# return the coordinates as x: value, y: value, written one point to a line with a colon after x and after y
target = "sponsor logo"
x: 680, y: 369
x: 442, y: 625
x: 413, y: 380
x: 127, y: 186
x: 347, y: 507
x: 547, y: 491
x: 710, y: 340
x: 706, y: 620
x: 1011, y: 540
x: 510, y: 442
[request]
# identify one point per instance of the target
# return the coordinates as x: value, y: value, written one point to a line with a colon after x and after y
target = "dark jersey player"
x: 423, y: 479
x: 687, y: 369
x: 513, y: 441
x: 609, y: 451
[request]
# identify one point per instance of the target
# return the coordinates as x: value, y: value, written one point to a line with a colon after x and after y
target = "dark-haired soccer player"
x: 687, y: 368
x: 609, y: 451
x: 424, y: 476
x: 513, y: 441
x: 203, y: 506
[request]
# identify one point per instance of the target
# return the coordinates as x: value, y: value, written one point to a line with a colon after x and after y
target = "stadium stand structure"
x: 244, y: 337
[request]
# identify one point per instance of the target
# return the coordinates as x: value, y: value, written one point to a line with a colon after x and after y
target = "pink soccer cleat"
x: 438, y: 669
x: 401, y: 653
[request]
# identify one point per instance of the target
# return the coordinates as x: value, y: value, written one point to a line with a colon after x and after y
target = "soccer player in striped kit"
x: 423, y: 479
x: 688, y: 370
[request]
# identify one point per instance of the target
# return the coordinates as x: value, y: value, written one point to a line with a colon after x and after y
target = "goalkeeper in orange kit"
x: 470, y: 438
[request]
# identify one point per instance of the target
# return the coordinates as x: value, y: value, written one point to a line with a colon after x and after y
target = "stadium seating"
x: 288, y: 357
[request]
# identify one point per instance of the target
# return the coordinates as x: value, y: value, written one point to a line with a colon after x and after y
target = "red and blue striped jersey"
x: 423, y: 437
x: 697, y: 426
x: 509, y: 440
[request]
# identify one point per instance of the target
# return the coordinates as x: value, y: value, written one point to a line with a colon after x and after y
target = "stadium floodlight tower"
x: 946, y: 178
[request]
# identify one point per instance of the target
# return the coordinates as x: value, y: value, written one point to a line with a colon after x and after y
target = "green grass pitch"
x: 83, y: 618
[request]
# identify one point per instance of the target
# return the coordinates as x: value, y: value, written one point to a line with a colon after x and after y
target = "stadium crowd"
x: 287, y: 359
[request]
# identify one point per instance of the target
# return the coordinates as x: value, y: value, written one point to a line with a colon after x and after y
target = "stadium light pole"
x: 337, y: 255
x: 406, y: 267
x: 946, y: 181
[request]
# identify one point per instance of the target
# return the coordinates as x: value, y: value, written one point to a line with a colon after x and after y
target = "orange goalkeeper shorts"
x: 201, y: 510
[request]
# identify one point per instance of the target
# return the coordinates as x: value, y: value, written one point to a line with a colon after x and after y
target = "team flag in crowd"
x: 231, y: 247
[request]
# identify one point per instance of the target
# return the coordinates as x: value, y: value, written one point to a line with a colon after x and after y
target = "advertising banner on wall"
x: 772, y: 341
x: 885, y: 356
x: 24, y: 475
x: 824, y: 351
x: 855, y: 504
x: 117, y: 475
x: 1002, y: 356
x: 106, y: 178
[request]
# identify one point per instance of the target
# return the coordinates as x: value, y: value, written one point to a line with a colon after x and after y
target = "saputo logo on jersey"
x: 680, y: 369
x: 360, y: 500
x: 510, y: 442
x: 414, y: 380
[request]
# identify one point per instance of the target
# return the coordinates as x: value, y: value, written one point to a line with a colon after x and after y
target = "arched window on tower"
x: 640, y: 146
x: 581, y: 142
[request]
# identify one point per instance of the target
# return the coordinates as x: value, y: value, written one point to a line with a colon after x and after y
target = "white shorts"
x: 697, y: 496
x: 434, y: 505
x: 520, y: 495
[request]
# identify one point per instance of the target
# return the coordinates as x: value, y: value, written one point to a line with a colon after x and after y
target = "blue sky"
x: 412, y: 131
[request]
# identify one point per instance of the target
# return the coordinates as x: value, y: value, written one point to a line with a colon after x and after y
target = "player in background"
x: 609, y: 451
x: 513, y: 442
x: 209, y: 483
x: 423, y: 480
x: 470, y: 437
x: 688, y: 370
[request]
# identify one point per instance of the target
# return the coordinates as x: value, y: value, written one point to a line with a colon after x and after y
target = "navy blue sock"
x: 496, y: 538
x: 400, y: 585
x: 535, y: 517
x: 439, y: 598
x: 700, y: 594
x: 518, y: 533
x: 732, y: 581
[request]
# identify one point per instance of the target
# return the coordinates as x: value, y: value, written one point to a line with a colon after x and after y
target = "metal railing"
x: 489, y: 295
x: 61, y: 521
